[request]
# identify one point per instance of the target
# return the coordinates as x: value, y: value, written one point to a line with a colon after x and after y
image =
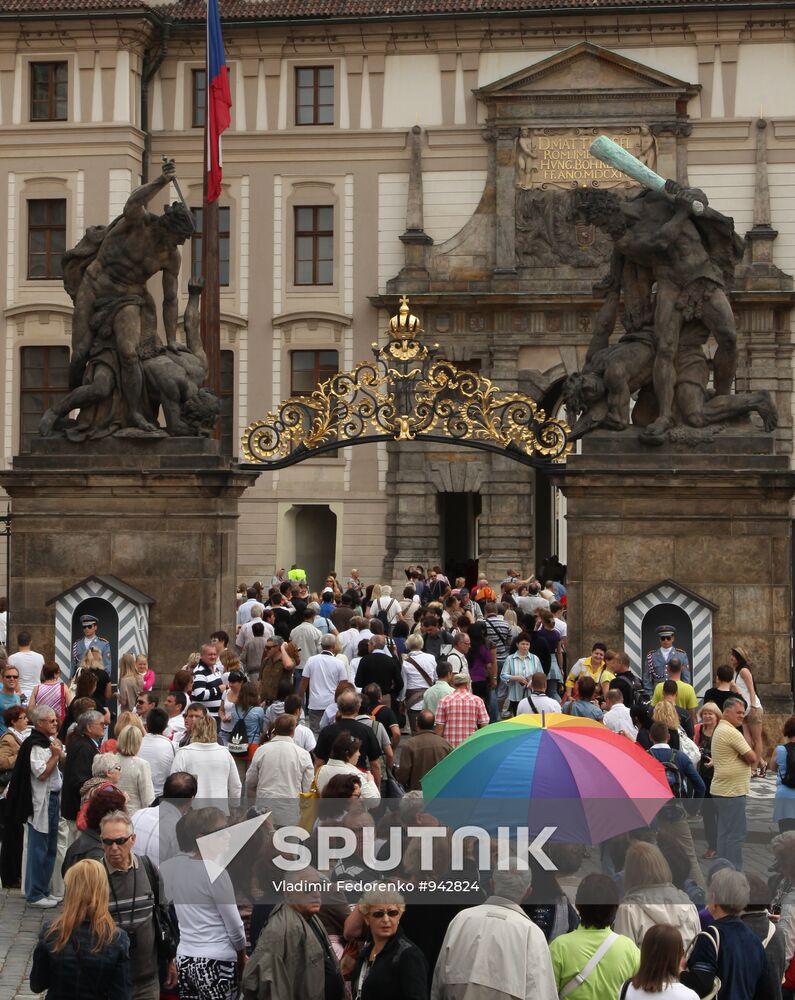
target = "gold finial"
x: 404, y: 324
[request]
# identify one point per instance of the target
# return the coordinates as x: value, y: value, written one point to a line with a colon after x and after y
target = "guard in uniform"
x: 655, y: 666
x: 90, y: 638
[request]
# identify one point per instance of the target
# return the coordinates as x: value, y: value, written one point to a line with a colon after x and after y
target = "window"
x: 45, y: 381
x: 49, y: 91
x: 227, y: 401
x: 223, y: 244
x: 314, y: 245
x: 309, y: 368
x: 314, y: 95
x: 46, y: 237
x: 199, y: 97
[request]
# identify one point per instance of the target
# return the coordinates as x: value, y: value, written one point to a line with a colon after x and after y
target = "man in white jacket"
x: 494, y: 951
x: 279, y: 771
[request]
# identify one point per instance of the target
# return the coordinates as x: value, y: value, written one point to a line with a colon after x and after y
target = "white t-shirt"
x: 388, y: 604
x: 28, y: 666
x: 159, y: 751
x: 673, y: 991
x: 562, y: 626
x: 413, y: 679
x: 324, y: 672
x: 542, y: 703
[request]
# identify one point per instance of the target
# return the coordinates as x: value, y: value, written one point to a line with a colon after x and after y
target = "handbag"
x: 689, y: 748
x: 166, y: 933
x: 307, y: 806
x: 391, y: 787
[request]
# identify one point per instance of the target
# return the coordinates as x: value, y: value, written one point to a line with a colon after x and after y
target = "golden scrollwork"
x: 403, y: 395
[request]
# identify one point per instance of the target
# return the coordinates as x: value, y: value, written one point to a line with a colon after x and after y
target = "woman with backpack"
x: 784, y: 808
x: 248, y: 721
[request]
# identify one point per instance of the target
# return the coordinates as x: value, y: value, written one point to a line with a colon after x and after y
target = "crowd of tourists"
x: 328, y: 708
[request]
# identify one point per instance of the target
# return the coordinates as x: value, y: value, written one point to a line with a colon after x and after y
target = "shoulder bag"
x: 166, y: 932
x: 576, y: 981
x: 715, y: 939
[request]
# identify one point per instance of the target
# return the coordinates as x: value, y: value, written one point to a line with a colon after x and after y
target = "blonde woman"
x: 666, y: 712
x: 211, y: 764
x: 390, y: 966
x: 83, y: 954
x: 135, y: 777
x: 131, y: 683
x: 710, y: 715
x: 650, y: 897
x: 110, y: 745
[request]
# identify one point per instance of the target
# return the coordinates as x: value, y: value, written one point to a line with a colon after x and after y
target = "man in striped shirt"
x: 208, y: 684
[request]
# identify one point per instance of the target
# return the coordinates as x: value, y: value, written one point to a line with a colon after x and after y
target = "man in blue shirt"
x: 583, y: 707
x: 673, y: 815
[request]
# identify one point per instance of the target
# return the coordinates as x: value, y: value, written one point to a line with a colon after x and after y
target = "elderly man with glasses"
x: 34, y: 798
x: 89, y: 625
x: 135, y: 889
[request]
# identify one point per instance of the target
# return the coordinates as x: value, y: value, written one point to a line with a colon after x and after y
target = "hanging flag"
x: 219, y: 99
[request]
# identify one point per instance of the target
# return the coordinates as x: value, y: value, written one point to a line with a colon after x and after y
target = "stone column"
x: 414, y: 274
x: 160, y: 515
x: 505, y: 232
x: 762, y: 235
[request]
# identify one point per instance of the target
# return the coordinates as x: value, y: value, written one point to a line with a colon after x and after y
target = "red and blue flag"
x: 219, y: 98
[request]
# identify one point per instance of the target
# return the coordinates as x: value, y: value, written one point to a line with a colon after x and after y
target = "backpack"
x: 238, y: 738
x: 383, y: 614
x: 788, y: 778
x: 680, y: 789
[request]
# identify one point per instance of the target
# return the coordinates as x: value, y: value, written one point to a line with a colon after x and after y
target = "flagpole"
x: 211, y: 296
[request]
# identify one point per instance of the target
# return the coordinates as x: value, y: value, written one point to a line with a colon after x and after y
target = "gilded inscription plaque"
x: 559, y: 158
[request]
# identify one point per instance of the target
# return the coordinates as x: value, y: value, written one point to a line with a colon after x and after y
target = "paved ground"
x: 19, y: 924
x: 19, y: 931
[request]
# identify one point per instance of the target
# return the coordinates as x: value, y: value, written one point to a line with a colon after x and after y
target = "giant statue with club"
x: 673, y: 263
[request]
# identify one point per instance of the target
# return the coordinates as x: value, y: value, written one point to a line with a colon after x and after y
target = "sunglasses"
x: 12, y: 677
x: 87, y: 627
x: 118, y: 841
x: 380, y: 914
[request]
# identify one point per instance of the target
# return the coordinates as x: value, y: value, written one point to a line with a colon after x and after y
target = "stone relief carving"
x: 548, y: 235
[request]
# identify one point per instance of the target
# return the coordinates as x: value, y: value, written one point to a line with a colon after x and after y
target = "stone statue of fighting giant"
x: 120, y: 371
x: 673, y: 263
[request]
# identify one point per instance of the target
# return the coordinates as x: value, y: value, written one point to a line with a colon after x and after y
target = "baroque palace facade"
x: 427, y: 151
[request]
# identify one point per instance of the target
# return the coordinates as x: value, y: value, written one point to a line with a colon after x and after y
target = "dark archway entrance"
x: 315, y: 542
x: 458, y: 517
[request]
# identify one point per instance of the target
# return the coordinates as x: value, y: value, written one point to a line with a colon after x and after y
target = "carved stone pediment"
x: 583, y: 78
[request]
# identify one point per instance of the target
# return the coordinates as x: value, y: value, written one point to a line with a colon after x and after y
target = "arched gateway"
x: 406, y: 395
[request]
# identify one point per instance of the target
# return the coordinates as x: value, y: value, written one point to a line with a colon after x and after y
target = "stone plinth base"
x: 714, y: 518
x: 160, y: 515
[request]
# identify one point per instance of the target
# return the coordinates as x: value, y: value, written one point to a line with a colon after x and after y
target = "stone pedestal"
x: 714, y: 517
x: 160, y: 515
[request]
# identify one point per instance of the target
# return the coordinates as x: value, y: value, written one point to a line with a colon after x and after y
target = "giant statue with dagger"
x: 672, y: 266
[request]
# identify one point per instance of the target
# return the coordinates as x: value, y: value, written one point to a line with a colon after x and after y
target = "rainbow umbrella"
x: 550, y: 770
